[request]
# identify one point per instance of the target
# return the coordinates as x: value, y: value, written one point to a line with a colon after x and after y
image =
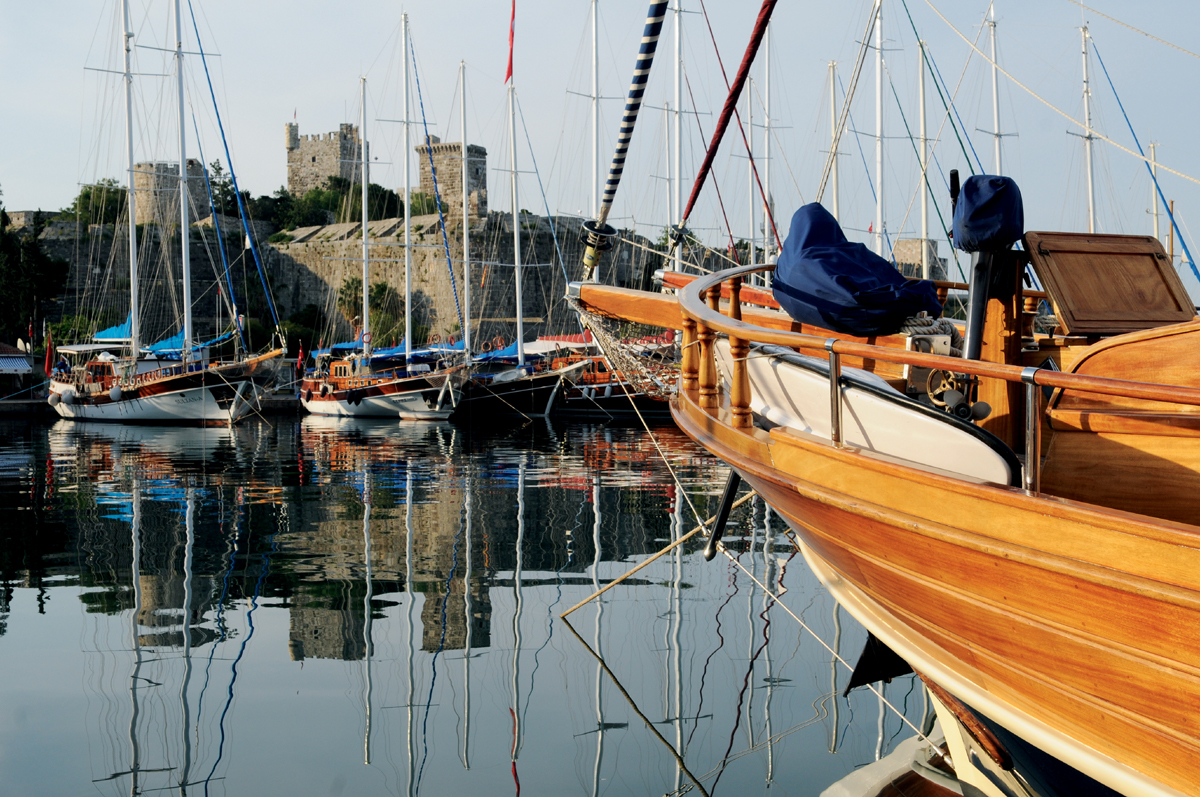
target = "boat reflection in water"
x: 373, y: 607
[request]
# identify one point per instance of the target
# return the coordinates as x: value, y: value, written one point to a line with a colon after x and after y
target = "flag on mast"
x: 512, y: 23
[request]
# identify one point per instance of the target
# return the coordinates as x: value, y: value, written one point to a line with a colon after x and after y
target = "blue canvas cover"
x: 989, y: 216
x: 824, y: 280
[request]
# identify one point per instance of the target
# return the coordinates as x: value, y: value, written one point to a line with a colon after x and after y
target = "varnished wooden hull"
x: 1075, y: 626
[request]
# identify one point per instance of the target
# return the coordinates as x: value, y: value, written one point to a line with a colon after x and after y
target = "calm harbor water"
x: 320, y: 606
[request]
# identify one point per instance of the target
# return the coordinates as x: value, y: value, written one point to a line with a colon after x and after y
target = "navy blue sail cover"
x: 824, y: 280
x: 989, y: 216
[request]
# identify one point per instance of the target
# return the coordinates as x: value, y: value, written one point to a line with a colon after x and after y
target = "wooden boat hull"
x: 432, y: 396
x: 219, y: 395
x: 1073, y: 626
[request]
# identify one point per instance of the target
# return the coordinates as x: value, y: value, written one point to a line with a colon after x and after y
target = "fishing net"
x: 647, y: 356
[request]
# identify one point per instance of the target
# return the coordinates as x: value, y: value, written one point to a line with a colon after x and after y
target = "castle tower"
x: 312, y: 159
x: 156, y: 192
x: 447, y: 159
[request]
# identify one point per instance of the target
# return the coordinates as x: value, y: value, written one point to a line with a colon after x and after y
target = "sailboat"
x: 173, y: 381
x: 1045, y: 592
x: 355, y: 379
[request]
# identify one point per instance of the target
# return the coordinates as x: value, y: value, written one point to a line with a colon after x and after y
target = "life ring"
x: 451, y: 340
x: 487, y: 346
x: 498, y: 342
x: 367, y: 337
x: 435, y: 338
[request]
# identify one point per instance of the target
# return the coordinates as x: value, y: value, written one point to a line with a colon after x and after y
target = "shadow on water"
x: 282, y: 609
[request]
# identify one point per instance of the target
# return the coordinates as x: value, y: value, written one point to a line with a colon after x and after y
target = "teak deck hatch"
x: 1108, y: 284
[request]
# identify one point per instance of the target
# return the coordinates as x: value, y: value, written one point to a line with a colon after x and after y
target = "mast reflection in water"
x: 370, y: 607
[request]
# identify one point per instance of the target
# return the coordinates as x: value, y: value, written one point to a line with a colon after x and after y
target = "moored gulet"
x: 1009, y: 512
x: 172, y: 381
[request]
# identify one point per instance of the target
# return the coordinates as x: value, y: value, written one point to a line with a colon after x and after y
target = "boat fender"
x: 115, y: 393
x: 308, y: 394
x: 68, y: 396
x: 54, y: 399
x: 324, y: 391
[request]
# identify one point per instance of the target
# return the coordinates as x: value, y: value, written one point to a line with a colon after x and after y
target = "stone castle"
x: 156, y: 192
x: 312, y: 159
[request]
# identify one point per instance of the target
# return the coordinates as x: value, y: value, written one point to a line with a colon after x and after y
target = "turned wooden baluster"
x: 739, y: 388
x: 689, y: 365
x: 1028, y: 315
x: 942, y: 294
x: 708, y: 364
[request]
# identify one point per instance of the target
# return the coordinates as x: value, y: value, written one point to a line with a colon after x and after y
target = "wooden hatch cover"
x: 1108, y: 284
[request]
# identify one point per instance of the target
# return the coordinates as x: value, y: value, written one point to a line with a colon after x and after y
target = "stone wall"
x: 314, y: 158
x: 447, y: 162
x: 156, y: 192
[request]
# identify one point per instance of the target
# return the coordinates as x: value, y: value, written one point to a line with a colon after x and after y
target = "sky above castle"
x: 274, y: 62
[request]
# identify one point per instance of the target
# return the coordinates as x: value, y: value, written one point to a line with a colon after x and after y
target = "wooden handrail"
x: 692, y: 306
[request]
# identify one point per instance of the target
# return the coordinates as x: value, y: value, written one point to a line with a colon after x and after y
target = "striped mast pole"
x: 677, y: 192
x: 598, y: 233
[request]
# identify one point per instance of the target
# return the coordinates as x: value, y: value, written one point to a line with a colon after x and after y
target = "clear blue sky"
x: 62, y: 124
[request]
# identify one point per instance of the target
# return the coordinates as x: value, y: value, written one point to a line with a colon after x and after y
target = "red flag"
x: 300, y: 360
x: 512, y: 24
x: 49, y: 353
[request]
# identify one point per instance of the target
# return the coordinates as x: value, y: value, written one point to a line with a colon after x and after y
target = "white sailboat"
x: 177, y: 383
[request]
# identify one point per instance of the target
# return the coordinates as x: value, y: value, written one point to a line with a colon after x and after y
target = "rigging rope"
x: 720, y: 202
x: 233, y: 176
x: 1157, y: 187
x: 742, y: 130
x: 1135, y: 30
x: 1053, y: 107
x: 841, y: 126
x: 220, y: 240
x: 735, y: 92
x: 437, y: 199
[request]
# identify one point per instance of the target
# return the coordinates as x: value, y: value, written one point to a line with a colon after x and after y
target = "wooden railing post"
x: 739, y: 388
x: 689, y: 364
x: 708, y: 364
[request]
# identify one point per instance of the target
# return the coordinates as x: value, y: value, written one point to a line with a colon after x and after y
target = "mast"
x: 516, y: 216
x: 470, y: 614
x: 366, y: 285
x: 408, y: 575
x: 466, y: 208
x: 925, y: 162
x: 879, y: 130
x: 1087, y: 138
x: 678, y: 170
x: 185, y: 258
x: 595, y: 199
x: 134, y: 323
x: 188, y: 565
x: 995, y: 89
x: 750, y: 166
x: 136, y: 566
x: 516, y: 663
x: 833, y: 122
x: 597, y: 521
x: 407, y: 207
x: 1153, y: 193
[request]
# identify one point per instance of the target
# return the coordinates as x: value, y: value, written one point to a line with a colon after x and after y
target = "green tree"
x: 100, y: 203
x: 30, y: 278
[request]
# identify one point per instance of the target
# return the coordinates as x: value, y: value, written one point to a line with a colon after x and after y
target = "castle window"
x: 314, y: 160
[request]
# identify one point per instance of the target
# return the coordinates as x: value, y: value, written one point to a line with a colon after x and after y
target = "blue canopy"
x: 121, y: 331
x: 989, y: 216
x: 174, y: 344
x: 824, y: 280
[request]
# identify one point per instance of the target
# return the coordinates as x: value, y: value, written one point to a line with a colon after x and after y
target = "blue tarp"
x: 989, y: 216
x: 824, y: 280
x: 174, y: 344
x: 119, y: 332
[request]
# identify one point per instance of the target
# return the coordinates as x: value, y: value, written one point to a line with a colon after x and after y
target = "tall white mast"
x: 134, y: 323
x: 678, y: 170
x: 184, y: 229
x: 516, y: 218
x: 925, y: 164
x: 995, y: 90
x: 879, y: 130
x: 1087, y: 138
x: 466, y: 208
x: 750, y: 166
x: 595, y: 202
x: 407, y: 148
x: 1154, y: 185
x: 833, y: 172
x: 366, y: 285
x: 367, y: 615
